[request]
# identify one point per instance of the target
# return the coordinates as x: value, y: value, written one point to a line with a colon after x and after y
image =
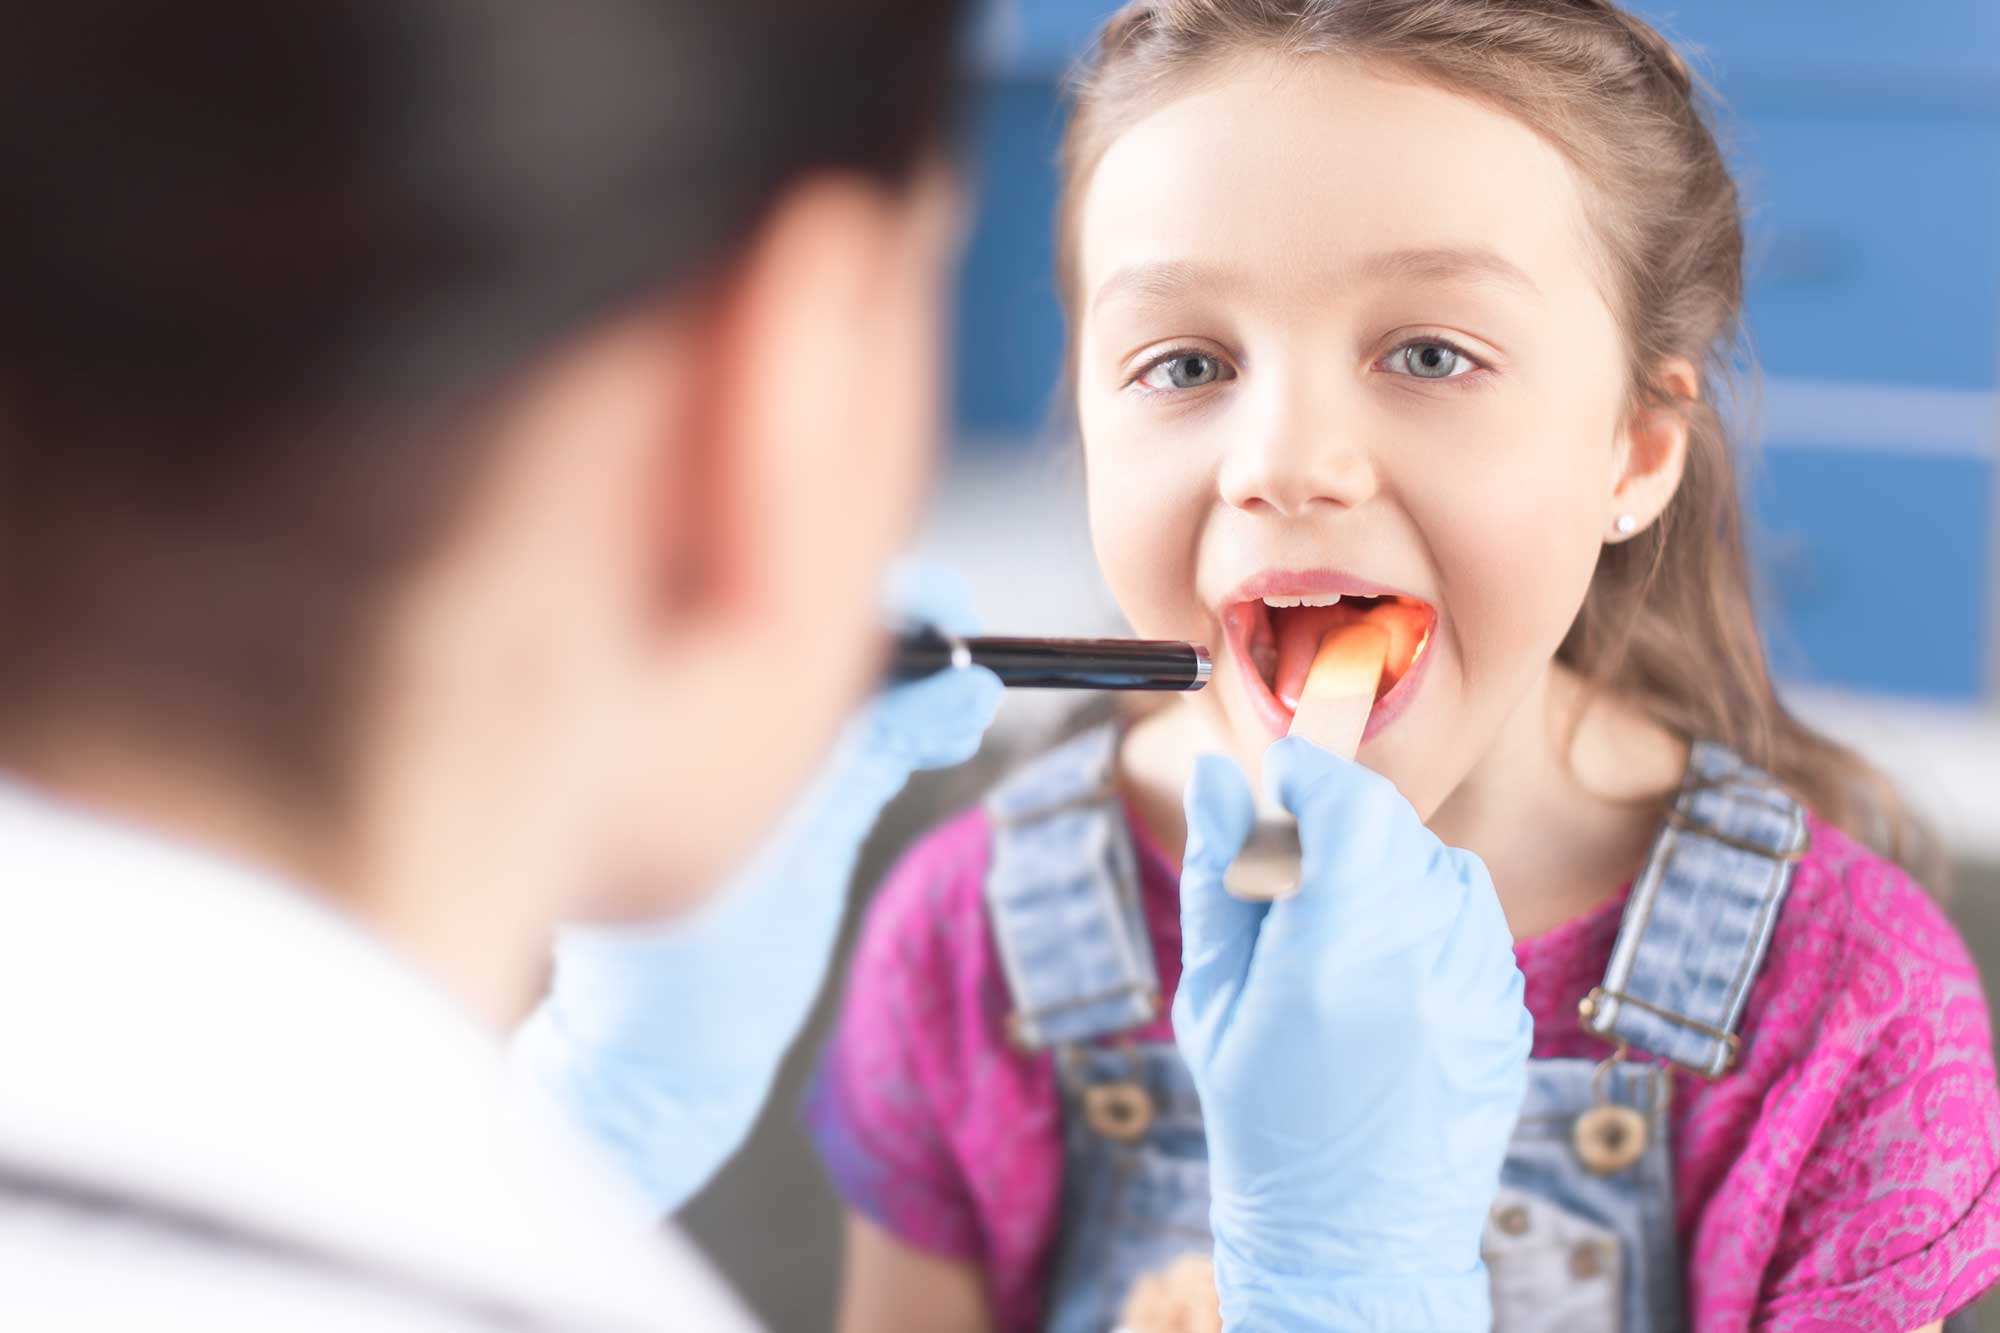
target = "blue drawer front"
x: 1040, y: 36
x: 1875, y: 248
x: 1009, y: 350
x: 1874, y: 567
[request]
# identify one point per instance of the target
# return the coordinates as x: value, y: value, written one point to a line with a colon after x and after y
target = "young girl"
x: 1416, y: 311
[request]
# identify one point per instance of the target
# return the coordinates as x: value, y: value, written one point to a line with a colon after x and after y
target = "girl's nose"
x: 1293, y: 461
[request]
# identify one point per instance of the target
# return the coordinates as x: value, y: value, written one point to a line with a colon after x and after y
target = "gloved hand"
x: 661, y: 1041
x: 1360, y: 1051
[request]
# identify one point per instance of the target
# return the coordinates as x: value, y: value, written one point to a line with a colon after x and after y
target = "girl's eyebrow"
x: 1162, y: 282
x: 1445, y: 264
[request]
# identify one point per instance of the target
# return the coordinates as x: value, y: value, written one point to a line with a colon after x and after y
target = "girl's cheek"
x: 1140, y: 535
x: 1148, y: 492
x: 1516, y: 547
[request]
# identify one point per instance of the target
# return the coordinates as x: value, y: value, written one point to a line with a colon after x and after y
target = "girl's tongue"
x: 1299, y: 630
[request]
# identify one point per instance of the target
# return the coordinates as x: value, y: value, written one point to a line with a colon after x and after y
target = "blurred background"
x: 1868, y: 142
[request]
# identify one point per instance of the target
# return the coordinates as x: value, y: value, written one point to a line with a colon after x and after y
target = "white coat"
x: 223, y: 1107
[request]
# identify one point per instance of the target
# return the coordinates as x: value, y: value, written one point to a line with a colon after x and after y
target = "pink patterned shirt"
x: 1842, y: 1177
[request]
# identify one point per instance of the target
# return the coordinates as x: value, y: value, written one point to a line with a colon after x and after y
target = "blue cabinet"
x: 1037, y: 38
x: 1009, y: 350
x: 1874, y: 247
x: 1873, y: 567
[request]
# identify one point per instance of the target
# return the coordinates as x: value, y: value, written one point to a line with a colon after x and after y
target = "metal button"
x: 1512, y: 1220
x: 1609, y: 1138
x: 1586, y: 1261
x: 1121, y: 1111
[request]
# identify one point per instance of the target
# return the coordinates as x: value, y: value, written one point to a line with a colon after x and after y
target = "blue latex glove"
x: 661, y: 1041
x: 1360, y: 1050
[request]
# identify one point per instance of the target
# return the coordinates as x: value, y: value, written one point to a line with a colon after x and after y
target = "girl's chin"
x: 1245, y: 737
x: 1198, y: 724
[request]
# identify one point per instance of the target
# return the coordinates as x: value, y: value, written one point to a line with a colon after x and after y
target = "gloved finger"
x: 937, y: 721
x: 1476, y: 963
x: 1353, y: 824
x: 1218, y: 930
x: 1477, y: 951
x: 924, y: 592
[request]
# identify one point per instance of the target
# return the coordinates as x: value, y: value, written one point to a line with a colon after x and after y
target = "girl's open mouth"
x: 1275, y: 637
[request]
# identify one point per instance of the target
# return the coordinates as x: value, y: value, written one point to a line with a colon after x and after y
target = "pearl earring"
x: 1626, y: 525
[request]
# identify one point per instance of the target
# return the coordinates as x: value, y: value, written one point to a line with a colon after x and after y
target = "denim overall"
x: 1581, y: 1236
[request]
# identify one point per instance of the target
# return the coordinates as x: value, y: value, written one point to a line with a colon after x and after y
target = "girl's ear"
x: 1654, y: 452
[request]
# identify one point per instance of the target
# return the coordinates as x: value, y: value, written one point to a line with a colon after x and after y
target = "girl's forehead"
x: 1297, y: 176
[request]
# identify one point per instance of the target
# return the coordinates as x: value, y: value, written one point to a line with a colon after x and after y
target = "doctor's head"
x: 407, y: 402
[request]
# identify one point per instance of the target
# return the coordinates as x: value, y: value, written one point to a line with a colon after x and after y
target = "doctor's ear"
x: 804, y: 412
x: 806, y: 438
x: 1652, y: 451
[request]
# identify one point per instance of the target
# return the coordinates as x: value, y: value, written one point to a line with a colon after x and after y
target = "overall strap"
x: 1701, y: 915
x: 1062, y: 892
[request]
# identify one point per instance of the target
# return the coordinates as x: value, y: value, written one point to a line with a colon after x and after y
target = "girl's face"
x: 1345, y: 336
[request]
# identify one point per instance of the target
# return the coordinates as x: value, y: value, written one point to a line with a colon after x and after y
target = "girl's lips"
x: 1307, y: 583
x: 1242, y: 619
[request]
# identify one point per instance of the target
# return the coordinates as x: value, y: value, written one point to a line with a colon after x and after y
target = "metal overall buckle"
x: 1610, y: 1136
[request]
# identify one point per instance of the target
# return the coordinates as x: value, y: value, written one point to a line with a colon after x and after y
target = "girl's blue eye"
x: 1184, y: 370
x: 1430, y: 360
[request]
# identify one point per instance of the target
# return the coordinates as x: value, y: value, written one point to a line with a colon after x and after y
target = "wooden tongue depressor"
x: 1333, y: 712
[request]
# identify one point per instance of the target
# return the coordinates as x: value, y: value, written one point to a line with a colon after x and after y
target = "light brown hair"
x: 1669, y: 620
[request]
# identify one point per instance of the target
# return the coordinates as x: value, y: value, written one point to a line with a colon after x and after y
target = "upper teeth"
x: 1309, y: 599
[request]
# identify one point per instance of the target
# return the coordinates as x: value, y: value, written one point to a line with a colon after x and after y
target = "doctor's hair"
x: 1669, y: 620
x: 264, y: 264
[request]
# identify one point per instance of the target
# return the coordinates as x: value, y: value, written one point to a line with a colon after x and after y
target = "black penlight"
x: 1056, y: 664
